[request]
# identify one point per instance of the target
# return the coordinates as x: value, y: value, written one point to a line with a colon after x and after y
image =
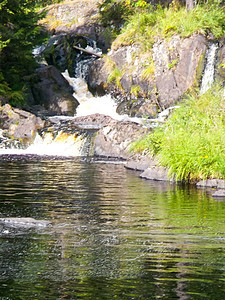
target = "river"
x: 112, y: 234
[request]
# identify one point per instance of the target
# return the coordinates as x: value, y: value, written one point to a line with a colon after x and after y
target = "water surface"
x: 113, y: 235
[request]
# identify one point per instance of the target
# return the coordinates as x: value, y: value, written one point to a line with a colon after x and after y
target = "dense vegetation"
x: 191, y: 143
x: 19, y: 33
x: 139, y: 22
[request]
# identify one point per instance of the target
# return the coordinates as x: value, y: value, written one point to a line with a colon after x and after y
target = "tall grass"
x: 143, y: 28
x: 191, y: 143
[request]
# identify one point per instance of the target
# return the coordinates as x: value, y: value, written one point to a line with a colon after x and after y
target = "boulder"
x: 19, y: 124
x: 91, y: 121
x: 52, y: 91
x: 140, y: 162
x: 158, y: 173
x: 212, y: 183
x: 115, y: 137
x: 25, y: 223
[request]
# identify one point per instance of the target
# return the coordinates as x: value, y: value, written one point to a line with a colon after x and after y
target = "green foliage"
x: 114, y: 13
x: 135, y: 90
x: 149, y: 70
x: 191, y: 143
x: 115, y: 76
x: 19, y: 34
x: 143, y: 28
x: 173, y: 63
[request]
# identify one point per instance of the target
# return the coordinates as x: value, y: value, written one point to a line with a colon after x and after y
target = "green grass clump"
x: 143, y: 28
x: 191, y: 143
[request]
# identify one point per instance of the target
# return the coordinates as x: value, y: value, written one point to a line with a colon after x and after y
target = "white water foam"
x: 89, y: 104
x: 61, y: 145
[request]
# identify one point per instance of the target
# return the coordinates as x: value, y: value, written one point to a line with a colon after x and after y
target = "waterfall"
x: 89, y: 104
x: 56, y: 142
x: 208, y: 75
x: 83, y: 63
x: 62, y: 137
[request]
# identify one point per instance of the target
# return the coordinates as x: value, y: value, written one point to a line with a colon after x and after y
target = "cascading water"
x: 60, y: 139
x: 91, y: 105
x: 208, y: 75
x: 54, y: 142
x: 83, y: 63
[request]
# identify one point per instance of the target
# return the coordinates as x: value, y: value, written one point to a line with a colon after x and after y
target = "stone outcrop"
x: 115, y: 137
x: 219, y: 194
x: 178, y: 63
x: 157, y: 173
x: 78, y: 18
x: 147, y: 83
x: 52, y: 91
x: 19, y: 124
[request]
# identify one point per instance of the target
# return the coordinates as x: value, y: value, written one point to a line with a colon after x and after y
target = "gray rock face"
x: 220, y: 74
x: 177, y: 66
x: 52, y: 91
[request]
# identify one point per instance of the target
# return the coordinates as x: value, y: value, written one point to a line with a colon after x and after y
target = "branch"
x: 87, y: 51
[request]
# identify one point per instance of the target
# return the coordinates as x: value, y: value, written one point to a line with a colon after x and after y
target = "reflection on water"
x: 113, y: 235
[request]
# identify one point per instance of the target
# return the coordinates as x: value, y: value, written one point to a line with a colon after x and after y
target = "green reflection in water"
x: 114, y: 236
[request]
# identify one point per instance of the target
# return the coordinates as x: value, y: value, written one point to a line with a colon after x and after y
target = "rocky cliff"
x: 143, y: 84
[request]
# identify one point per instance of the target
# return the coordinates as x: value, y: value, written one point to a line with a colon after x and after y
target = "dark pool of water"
x: 113, y: 235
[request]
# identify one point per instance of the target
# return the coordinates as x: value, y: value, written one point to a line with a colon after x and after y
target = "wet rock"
x: 60, y: 52
x: 157, y: 173
x: 212, y: 183
x: 140, y: 162
x: 52, y: 91
x: 95, y: 120
x: 24, y: 223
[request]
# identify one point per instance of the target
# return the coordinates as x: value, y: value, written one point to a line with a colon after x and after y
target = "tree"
x: 19, y: 34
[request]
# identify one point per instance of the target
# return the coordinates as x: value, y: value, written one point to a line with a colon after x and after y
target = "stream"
x: 112, y: 234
